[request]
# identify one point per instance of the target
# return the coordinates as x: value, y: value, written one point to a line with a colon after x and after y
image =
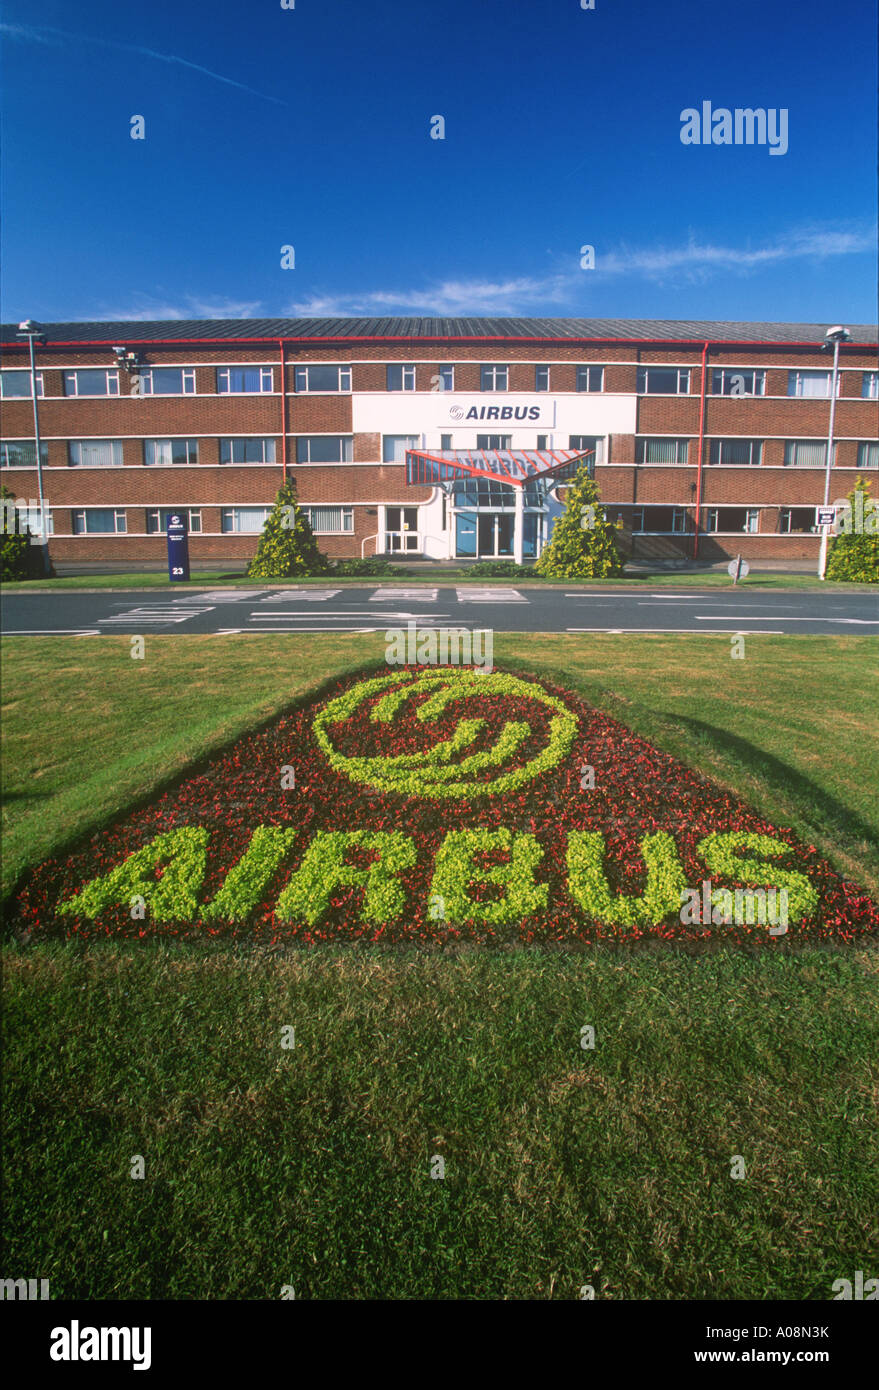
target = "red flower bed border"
x: 638, y: 791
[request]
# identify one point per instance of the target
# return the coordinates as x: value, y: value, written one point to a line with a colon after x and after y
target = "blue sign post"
x: 178, y: 548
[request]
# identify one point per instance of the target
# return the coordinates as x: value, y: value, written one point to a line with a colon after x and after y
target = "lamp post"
x: 32, y: 331
x: 833, y: 336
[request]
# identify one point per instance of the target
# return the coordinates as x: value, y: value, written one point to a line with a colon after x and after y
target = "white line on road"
x: 490, y: 596
x: 686, y: 631
x: 404, y: 596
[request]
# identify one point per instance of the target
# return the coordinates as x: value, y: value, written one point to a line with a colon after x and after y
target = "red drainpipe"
x: 698, y: 505
x: 283, y: 409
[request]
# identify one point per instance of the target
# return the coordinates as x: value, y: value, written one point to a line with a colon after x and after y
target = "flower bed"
x: 438, y: 805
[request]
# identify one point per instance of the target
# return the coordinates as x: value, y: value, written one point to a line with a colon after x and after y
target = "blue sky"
x: 310, y: 127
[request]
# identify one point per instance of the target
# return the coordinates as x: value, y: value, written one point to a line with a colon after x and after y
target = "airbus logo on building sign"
x: 496, y: 412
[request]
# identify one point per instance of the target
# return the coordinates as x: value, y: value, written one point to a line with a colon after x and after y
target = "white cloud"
x: 192, y: 307
x: 563, y: 288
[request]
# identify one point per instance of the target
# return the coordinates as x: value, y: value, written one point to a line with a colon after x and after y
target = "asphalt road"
x: 375, y: 608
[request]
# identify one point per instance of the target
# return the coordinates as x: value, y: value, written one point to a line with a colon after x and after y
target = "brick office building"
x: 724, y: 424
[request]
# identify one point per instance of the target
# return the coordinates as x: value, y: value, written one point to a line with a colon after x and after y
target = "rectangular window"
x: 15, y: 384
x: 679, y: 519
x: 637, y: 518
x: 257, y: 450
x: 330, y: 521
x: 92, y: 381
x: 737, y: 381
x: 590, y: 378
x: 807, y: 383
x: 661, y: 450
x: 541, y: 378
x: 493, y: 441
x: 95, y: 453
x: 323, y: 380
x: 98, y: 520
x: 868, y: 453
x: 805, y: 453
x: 663, y: 381
x: 588, y: 443
x: 22, y: 453
x: 796, y: 519
x: 869, y: 386
x: 157, y: 520
x: 733, y: 519
x: 445, y: 443
x: 542, y: 444
x: 243, y: 380
x: 400, y: 377
x: 167, y: 381
x: 324, y: 448
x: 493, y: 378
x: 246, y: 520
x: 394, y: 446
x: 162, y: 453
x: 735, y: 453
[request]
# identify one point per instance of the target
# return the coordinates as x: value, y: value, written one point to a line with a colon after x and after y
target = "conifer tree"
x: 286, y: 546
x: 583, y: 543
x: 854, y: 552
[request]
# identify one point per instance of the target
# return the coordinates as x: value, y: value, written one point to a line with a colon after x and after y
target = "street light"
x: 32, y: 331
x: 833, y: 336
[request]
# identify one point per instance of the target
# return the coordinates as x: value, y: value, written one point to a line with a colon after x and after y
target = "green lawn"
x: 432, y: 575
x: 311, y: 1167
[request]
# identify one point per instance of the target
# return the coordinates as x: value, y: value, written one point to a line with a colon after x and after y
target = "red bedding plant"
x: 434, y: 805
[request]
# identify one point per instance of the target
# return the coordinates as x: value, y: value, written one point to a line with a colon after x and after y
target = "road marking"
x: 753, y: 618
x: 685, y: 631
x: 221, y: 596
x: 424, y: 618
x: 490, y: 596
x: 303, y: 595
x: 404, y: 596
x: 48, y: 632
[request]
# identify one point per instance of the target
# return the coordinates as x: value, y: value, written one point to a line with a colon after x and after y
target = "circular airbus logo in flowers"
x: 462, y: 733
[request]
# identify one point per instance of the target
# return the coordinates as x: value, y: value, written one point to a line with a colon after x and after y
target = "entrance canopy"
x: 517, y: 467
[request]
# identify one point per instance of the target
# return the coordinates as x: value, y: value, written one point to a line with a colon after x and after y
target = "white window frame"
x: 234, y: 514
x: 191, y: 450
x: 111, y: 378
x: 680, y: 442
x: 729, y: 372
x: 19, y: 444
x: 870, y: 386
x: 446, y: 370
x: 303, y: 370
x: 411, y: 441
x: 541, y: 371
x: 679, y: 521
x: 755, y: 445
x: 120, y: 525
x: 407, y: 376
x: 187, y: 380
x: 642, y: 383
x: 588, y: 368
x: 792, y: 445
x: 865, y: 447
x: 193, y: 518
x: 797, y: 377
x: 347, y: 450
x: 114, y: 445
x: 266, y: 380
x: 346, y: 516
x: 268, y: 447
x: 25, y: 372
x: 494, y: 372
